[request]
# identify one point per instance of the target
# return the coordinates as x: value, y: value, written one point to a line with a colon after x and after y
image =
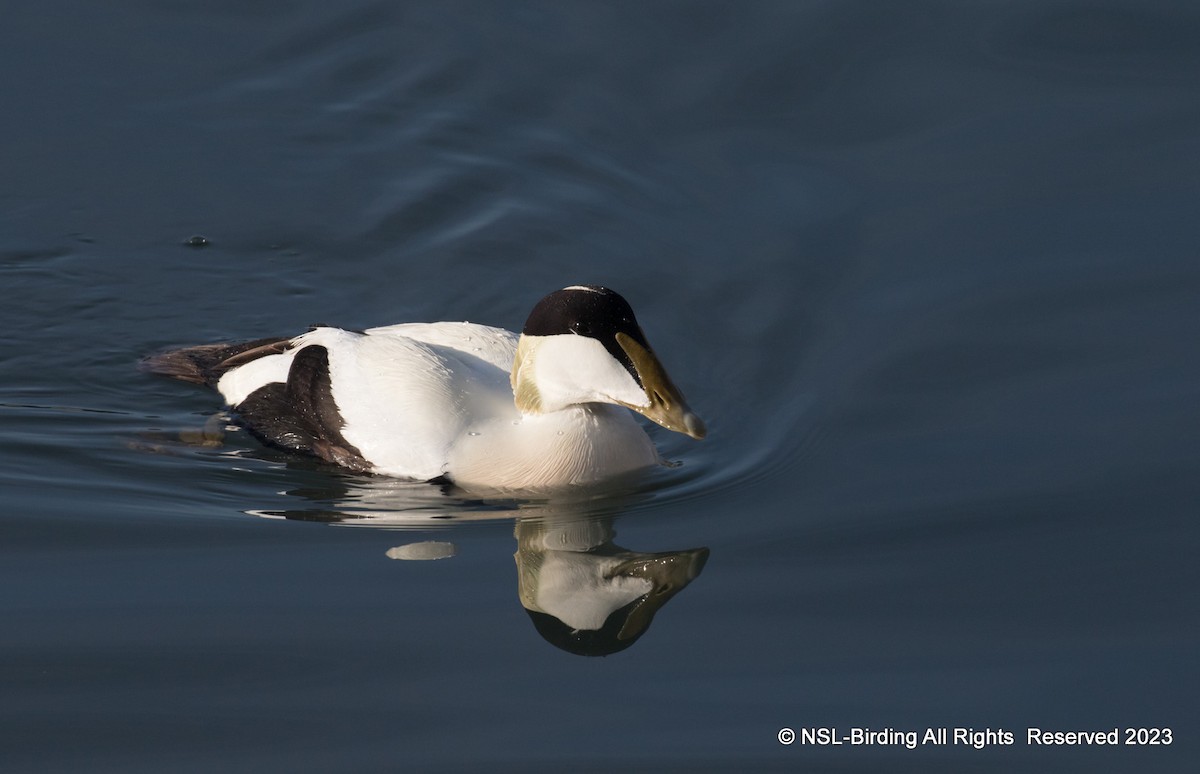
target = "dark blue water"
x: 929, y: 271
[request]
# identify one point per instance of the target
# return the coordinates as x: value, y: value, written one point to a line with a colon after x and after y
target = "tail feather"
x: 206, y: 363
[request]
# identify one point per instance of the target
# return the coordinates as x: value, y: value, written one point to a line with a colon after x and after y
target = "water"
x: 927, y: 271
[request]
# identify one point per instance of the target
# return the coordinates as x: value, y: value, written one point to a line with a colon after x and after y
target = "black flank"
x: 302, y: 415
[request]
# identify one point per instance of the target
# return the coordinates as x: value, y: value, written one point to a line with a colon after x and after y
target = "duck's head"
x: 582, y: 344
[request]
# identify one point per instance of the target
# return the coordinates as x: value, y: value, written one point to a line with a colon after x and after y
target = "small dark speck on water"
x: 197, y: 241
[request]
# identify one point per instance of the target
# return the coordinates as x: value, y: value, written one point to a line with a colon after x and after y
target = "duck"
x: 476, y: 406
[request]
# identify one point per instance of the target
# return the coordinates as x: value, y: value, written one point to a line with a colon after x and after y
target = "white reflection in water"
x: 583, y: 593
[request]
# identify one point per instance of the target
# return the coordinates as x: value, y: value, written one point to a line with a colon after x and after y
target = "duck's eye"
x: 580, y: 327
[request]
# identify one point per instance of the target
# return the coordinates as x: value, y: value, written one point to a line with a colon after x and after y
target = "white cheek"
x: 577, y: 369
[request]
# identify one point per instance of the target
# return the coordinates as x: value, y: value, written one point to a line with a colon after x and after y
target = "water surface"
x: 928, y: 271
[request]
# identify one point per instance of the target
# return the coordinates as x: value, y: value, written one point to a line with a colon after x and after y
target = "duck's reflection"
x: 586, y: 594
x: 583, y: 592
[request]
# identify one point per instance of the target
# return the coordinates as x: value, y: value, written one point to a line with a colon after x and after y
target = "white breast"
x: 579, y: 445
